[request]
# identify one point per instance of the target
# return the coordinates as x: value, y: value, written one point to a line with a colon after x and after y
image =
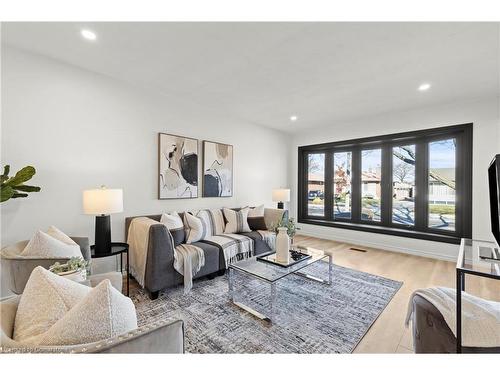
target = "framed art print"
x: 217, y: 169
x: 177, y: 167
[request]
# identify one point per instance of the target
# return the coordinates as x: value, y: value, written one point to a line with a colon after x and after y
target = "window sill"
x: 401, y: 232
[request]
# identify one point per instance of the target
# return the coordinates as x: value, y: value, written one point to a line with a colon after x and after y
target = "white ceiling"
x: 262, y: 73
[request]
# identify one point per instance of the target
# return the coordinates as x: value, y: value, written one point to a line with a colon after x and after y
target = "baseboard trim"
x: 376, y: 245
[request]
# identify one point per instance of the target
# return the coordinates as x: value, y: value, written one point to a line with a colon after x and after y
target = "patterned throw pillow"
x: 236, y: 220
x: 256, y: 218
x: 174, y: 224
x: 195, y: 230
x: 213, y: 220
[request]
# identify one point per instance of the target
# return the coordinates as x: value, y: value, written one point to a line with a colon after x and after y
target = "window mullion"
x: 421, y: 185
x: 328, y: 187
x: 356, y: 186
x: 386, y: 185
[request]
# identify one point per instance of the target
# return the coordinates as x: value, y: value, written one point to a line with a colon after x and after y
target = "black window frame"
x: 420, y: 138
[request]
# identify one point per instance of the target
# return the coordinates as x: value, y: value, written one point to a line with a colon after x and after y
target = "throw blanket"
x: 269, y: 238
x: 235, y: 246
x: 138, y: 241
x: 480, y: 318
x: 188, y: 259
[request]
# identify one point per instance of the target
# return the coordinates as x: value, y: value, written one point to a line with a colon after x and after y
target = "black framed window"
x: 415, y: 184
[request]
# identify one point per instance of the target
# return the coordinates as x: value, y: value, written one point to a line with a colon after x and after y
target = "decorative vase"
x: 282, y: 246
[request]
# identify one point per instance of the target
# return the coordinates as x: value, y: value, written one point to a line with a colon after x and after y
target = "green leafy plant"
x: 13, y: 187
x: 289, y: 224
x: 74, y: 264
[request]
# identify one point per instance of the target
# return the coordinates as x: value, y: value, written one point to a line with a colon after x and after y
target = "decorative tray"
x: 296, y: 256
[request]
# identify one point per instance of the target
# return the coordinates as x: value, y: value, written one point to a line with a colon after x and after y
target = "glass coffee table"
x: 272, y: 273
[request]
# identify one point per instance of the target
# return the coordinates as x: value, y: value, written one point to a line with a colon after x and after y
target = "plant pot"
x: 78, y: 275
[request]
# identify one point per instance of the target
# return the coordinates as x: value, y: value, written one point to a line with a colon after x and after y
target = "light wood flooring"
x: 388, y: 334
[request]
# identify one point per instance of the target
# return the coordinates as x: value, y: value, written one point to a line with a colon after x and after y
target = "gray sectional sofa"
x: 160, y: 273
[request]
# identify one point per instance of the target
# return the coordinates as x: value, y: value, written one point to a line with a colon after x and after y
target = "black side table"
x: 117, y: 248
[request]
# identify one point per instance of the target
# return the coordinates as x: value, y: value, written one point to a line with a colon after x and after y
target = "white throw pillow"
x: 60, y: 235
x: 53, y: 244
x: 102, y: 314
x: 195, y: 230
x: 256, y: 211
x: 236, y: 220
x: 47, y: 297
x: 172, y: 220
x: 174, y: 224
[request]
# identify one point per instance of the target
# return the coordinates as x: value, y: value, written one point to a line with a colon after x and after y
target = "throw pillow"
x: 102, y: 314
x: 256, y: 211
x: 213, y: 220
x: 256, y: 219
x: 47, y: 297
x: 60, y: 235
x: 174, y: 224
x: 195, y: 230
x: 53, y: 244
x: 257, y: 223
x: 236, y: 220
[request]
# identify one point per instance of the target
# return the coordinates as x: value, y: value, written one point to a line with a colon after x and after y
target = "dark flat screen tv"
x: 494, y: 183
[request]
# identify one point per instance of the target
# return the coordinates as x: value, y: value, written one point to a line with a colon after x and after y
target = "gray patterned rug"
x: 310, y: 317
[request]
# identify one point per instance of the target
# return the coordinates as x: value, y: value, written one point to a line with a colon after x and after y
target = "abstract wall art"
x: 178, y: 167
x: 217, y: 169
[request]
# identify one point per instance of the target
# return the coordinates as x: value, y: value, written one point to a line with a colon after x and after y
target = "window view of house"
x: 371, y: 162
x: 316, y: 185
x: 442, y: 189
x: 403, y: 185
x: 342, y: 185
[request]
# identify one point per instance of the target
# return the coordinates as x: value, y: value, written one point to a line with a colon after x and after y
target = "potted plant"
x: 75, y: 269
x: 14, y: 187
x: 290, y: 225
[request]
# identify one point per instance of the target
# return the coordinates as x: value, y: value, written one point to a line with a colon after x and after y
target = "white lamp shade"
x: 281, y: 195
x: 102, y: 201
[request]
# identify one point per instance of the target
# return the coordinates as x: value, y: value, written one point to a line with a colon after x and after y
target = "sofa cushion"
x: 212, y: 258
x: 47, y: 297
x: 174, y: 224
x: 236, y: 220
x: 102, y: 314
x: 51, y: 244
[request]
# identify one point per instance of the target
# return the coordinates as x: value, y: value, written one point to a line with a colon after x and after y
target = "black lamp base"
x: 281, y: 205
x: 102, y: 234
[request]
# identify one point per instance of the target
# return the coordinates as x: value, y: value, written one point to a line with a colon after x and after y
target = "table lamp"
x: 102, y: 202
x: 280, y: 196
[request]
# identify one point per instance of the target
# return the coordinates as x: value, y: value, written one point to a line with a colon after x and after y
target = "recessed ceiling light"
x: 424, y: 87
x: 293, y: 118
x: 88, y: 34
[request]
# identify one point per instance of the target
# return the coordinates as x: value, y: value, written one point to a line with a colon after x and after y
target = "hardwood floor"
x: 388, y: 334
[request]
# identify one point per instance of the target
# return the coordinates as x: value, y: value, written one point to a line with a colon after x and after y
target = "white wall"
x: 483, y: 113
x: 81, y: 130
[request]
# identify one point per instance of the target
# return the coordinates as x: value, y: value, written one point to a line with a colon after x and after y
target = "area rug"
x: 310, y: 317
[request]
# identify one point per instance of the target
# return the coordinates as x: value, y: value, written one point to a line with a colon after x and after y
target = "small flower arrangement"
x: 289, y: 224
